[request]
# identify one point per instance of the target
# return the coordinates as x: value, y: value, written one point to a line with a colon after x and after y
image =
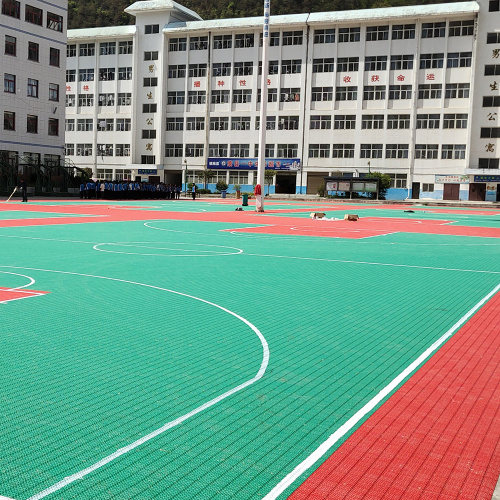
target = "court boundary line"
x: 173, y: 423
x: 317, y: 454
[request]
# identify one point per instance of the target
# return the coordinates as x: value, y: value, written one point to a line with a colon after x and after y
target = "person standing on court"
x: 24, y: 190
x: 193, y: 191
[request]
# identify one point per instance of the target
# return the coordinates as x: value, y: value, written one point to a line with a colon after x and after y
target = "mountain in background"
x: 93, y: 13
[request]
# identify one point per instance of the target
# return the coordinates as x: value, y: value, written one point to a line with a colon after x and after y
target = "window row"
x: 33, y: 53
x: 32, y: 15
x: 83, y: 149
x: 32, y: 123
x: 32, y: 87
x: 233, y: 151
x: 104, y: 74
x: 103, y: 124
x: 105, y: 49
x: 87, y: 100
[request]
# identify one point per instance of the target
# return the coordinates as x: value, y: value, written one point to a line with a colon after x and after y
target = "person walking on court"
x: 193, y: 191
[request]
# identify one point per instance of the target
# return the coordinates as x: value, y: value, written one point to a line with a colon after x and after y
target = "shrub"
x: 221, y: 186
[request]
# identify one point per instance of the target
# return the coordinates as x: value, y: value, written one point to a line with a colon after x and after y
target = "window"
x: 70, y: 100
x: 428, y: 121
x: 9, y: 120
x: 402, y: 62
x: 324, y: 36
x: 494, y: 6
x: 242, y: 96
x: 69, y: 149
x: 433, y: 30
x: 195, y: 123
x: 426, y: 91
x: 53, y: 128
x: 33, y: 51
x: 347, y: 122
x: 244, y: 40
x: 346, y: 93
x: 150, y: 81
x: 490, y: 132
x: 373, y: 92
x: 219, y: 123
x: 347, y: 64
x: 11, y: 8
x: 427, y: 188
x: 343, y: 151
x: 85, y: 125
x: 220, y: 96
x: 151, y: 29
x: 274, y: 68
x: 371, y: 151
x: 86, y: 75
x: 32, y: 87
x: 217, y: 150
x: 122, y: 150
x: 107, y: 48
x: 243, y: 68
x: 176, y: 97
x: 287, y: 150
x: 320, y: 122
x: 292, y: 37
x: 403, y: 32
x: 69, y: 124
x: 455, y: 120
x: 71, y: 75
x: 377, y: 33
x: 492, y: 101
x: 426, y: 151
x: 461, y: 28
x: 125, y: 73
x: 493, y: 37
x: 459, y: 60
x: 125, y: 47
x: 54, y: 22
x: 9, y: 83
x: 398, y: 122
x: 221, y: 69
x: 148, y: 159
x: 375, y: 63
x: 148, y: 134
x: 223, y: 41
x: 106, y: 74
x: 274, y: 39
x: 173, y: 150
x: 71, y: 50
x: 198, y: 70
x: 319, y: 151
x: 177, y: 44
x: 240, y: 123
x: 149, y: 108
x: 85, y: 100
x: 54, y: 57
x: 323, y: 65
x: 239, y: 150
x: 86, y: 49
x: 151, y: 55
x: 239, y: 177
x: 123, y: 124
x: 10, y: 45
x: 457, y: 90
x: 53, y: 92
x: 105, y: 125
x: 176, y: 71
x: 396, y: 151
x: 428, y: 61
x: 198, y: 42
x: 349, y: 35
x: 372, y: 122
x: 106, y: 99
x: 175, y: 124
x: 492, y: 69
x: 398, y: 181
x: 486, y: 163
x: 33, y: 15
x: 399, y: 92
x: 289, y: 95
x: 288, y: 123
x: 195, y: 150
x: 453, y: 152
x: 32, y: 124
x: 291, y: 66
x: 322, y: 94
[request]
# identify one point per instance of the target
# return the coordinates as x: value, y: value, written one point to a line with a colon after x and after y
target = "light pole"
x: 185, y: 176
x: 369, y: 172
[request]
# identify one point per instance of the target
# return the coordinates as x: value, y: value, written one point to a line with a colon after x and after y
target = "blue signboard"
x: 251, y: 163
x: 487, y: 178
x: 147, y: 171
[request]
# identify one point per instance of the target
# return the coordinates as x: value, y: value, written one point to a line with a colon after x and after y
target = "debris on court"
x: 318, y: 215
x: 351, y: 217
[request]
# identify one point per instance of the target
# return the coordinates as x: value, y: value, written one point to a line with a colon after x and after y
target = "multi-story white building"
x: 412, y: 92
x: 33, y: 34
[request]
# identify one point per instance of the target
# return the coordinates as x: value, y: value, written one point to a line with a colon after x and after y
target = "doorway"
x: 451, y: 192
x: 286, y: 183
x: 477, y: 191
x: 415, y: 190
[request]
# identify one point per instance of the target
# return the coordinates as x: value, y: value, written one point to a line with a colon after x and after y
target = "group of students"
x: 127, y: 190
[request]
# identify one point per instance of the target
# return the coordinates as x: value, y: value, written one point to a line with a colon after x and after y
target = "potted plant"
x: 237, y: 188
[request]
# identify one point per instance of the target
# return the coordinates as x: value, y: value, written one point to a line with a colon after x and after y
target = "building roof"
x: 160, y: 5
x: 107, y: 32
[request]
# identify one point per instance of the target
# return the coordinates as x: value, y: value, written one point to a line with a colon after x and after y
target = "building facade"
x: 33, y: 34
x: 412, y: 92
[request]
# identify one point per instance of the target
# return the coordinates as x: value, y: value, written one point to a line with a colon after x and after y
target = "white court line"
x: 205, y: 253
x: 32, y: 281
x: 368, y: 407
x: 169, y: 425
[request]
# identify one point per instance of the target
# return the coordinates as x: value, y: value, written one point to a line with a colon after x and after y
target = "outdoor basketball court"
x: 182, y: 349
